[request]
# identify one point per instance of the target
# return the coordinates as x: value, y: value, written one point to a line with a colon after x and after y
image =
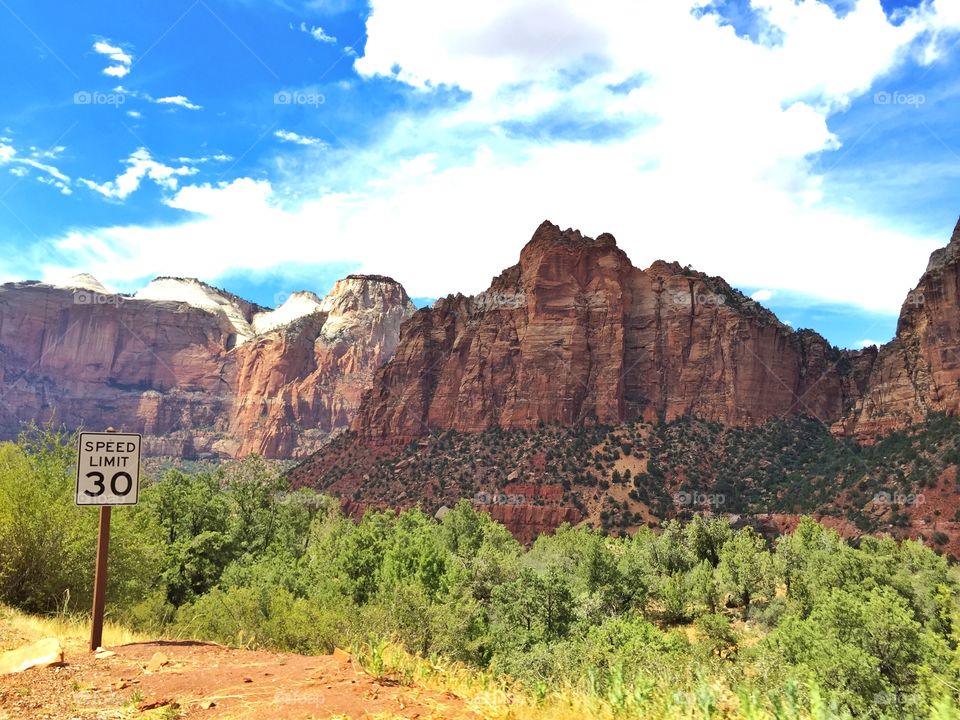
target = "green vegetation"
x: 693, y: 620
x: 623, y: 476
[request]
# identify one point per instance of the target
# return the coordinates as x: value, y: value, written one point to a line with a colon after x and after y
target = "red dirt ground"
x: 205, y: 680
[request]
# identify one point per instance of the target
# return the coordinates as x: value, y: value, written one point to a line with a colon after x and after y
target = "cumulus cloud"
x: 178, y: 100
x: 140, y: 166
x: 704, y: 161
x: 292, y: 137
x: 122, y: 60
x: 762, y: 295
x: 317, y: 33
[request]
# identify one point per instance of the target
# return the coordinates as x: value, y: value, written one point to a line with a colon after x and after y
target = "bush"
x: 716, y: 632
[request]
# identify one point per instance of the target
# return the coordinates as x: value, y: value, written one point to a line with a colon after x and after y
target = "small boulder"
x: 43, y: 653
x: 158, y: 661
x: 343, y: 655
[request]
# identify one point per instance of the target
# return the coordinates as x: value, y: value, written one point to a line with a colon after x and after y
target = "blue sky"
x: 806, y: 152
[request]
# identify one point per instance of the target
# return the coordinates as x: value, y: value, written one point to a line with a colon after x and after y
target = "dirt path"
x: 202, y: 680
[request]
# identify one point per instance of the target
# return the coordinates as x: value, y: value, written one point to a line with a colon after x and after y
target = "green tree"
x: 705, y: 538
x: 192, y: 518
x: 746, y: 568
x: 532, y: 609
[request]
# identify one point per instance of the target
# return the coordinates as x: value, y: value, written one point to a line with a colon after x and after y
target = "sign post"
x: 100, y: 579
x: 108, y: 474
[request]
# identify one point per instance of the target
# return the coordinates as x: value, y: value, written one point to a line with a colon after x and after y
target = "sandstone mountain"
x: 574, y: 332
x: 199, y: 371
x: 575, y: 336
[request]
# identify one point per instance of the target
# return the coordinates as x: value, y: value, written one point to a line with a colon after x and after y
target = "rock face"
x: 196, y: 370
x: 575, y: 333
x: 296, y: 385
x: 919, y: 370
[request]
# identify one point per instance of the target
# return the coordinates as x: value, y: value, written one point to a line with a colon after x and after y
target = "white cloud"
x: 46, y: 168
x: 122, y: 59
x: 219, y: 157
x: 292, y: 137
x: 867, y: 343
x: 49, y: 154
x: 179, y: 100
x: 317, y: 33
x: 50, y: 175
x: 140, y: 165
x: 708, y: 160
x: 115, y: 53
x: 58, y: 184
x: 762, y: 295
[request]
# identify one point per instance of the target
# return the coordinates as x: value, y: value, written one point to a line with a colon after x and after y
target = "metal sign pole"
x: 100, y: 579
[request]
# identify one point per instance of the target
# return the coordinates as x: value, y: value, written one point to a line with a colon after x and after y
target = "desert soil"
x: 204, y: 680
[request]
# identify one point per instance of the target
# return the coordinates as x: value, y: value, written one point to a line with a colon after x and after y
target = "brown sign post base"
x: 100, y: 579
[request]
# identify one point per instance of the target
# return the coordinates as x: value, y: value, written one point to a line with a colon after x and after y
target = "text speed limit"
x: 108, y: 469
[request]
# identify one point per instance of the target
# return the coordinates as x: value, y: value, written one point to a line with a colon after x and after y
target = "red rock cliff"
x: 196, y: 370
x: 919, y: 370
x: 296, y: 385
x: 575, y: 332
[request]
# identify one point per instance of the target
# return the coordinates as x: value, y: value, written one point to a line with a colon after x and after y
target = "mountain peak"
x: 549, y: 236
x: 942, y: 256
x: 358, y: 296
x: 299, y: 304
x: 360, y: 292
x: 196, y: 293
x: 372, y: 278
x: 86, y: 281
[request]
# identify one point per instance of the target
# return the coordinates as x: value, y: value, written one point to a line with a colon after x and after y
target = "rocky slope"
x: 620, y: 477
x: 197, y: 370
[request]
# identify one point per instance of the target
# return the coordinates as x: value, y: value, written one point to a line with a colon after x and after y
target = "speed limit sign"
x: 108, y: 469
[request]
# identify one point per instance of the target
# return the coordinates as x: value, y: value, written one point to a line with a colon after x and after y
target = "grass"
x: 19, y: 628
x: 494, y: 697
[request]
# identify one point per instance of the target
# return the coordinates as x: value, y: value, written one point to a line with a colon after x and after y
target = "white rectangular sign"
x: 108, y: 469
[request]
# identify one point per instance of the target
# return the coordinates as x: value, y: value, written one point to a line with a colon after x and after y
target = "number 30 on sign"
x: 108, y: 469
